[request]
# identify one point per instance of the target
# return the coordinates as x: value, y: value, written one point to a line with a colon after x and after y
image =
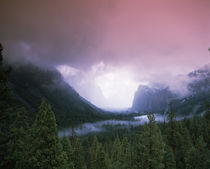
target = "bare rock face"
x: 151, y: 99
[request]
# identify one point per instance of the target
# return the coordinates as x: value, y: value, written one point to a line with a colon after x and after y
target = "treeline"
x: 173, y: 145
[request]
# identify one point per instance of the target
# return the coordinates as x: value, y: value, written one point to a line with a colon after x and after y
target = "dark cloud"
x: 81, y: 33
x: 154, y: 40
x: 55, y: 31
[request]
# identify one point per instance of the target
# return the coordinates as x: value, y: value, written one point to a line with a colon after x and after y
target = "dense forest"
x: 171, y: 145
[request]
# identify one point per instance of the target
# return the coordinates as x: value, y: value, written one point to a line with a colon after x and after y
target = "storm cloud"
x: 153, y: 39
x: 142, y: 33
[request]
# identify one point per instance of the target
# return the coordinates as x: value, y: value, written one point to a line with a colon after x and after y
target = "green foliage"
x: 169, y: 159
x: 93, y: 152
x: 41, y: 147
x: 125, y: 154
x: 171, y: 131
x: 31, y: 83
x: 78, y: 154
x: 5, y: 93
x: 13, y: 124
x: 116, y: 151
x: 150, y: 151
x: 68, y: 149
x: 46, y: 149
x: 101, y: 159
x: 207, y: 125
x: 198, y: 156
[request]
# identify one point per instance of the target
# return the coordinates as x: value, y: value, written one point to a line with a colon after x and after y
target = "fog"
x: 100, y: 126
x: 103, y: 126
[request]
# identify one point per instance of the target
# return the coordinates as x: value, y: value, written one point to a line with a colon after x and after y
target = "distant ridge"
x: 31, y: 83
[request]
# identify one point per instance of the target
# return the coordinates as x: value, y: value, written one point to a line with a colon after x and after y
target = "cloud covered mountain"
x: 30, y: 84
x: 194, y: 102
x: 151, y: 99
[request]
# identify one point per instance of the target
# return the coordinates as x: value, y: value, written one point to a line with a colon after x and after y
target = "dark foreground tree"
x: 198, y: 156
x: 46, y: 150
x: 13, y: 124
x: 150, y: 149
x: 78, y: 155
x: 5, y: 93
x: 68, y: 149
x: 169, y: 159
x: 207, y: 126
x: 101, y: 159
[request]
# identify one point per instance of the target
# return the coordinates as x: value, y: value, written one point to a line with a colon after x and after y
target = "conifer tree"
x: 184, y: 143
x: 86, y: 153
x: 101, y: 159
x: 68, y: 149
x: 207, y: 126
x: 169, y: 159
x: 5, y: 93
x: 171, y: 130
x: 13, y: 124
x: 46, y: 149
x: 116, y: 151
x: 198, y: 156
x: 150, y: 149
x: 125, y: 154
x: 19, y: 142
x: 93, y: 152
x: 78, y: 155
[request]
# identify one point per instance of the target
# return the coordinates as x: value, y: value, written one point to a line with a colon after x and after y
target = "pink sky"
x: 152, y: 39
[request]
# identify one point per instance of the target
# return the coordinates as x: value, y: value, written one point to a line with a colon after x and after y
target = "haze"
x: 106, y: 48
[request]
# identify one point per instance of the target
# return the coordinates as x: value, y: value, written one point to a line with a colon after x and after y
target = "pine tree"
x: 184, y: 143
x: 68, y: 149
x: 207, y: 126
x: 125, y: 154
x: 78, y: 155
x: 5, y: 117
x: 18, y: 147
x: 169, y: 160
x: 46, y: 149
x: 93, y: 152
x: 14, y: 138
x: 116, y: 152
x: 190, y: 158
x: 171, y: 130
x: 198, y: 156
x: 101, y: 159
x: 86, y: 153
x: 150, y: 149
x: 5, y: 93
x: 13, y: 124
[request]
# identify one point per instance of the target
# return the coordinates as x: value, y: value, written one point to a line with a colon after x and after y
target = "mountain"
x: 151, y: 99
x: 157, y: 99
x: 30, y: 84
x: 199, y: 93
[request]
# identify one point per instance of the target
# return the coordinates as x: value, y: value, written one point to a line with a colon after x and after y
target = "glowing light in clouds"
x: 118, y: 88
x: 67, y: 70
x: 116, y: 85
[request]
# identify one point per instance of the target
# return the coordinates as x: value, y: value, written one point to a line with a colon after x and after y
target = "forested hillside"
x: 30, y: 84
